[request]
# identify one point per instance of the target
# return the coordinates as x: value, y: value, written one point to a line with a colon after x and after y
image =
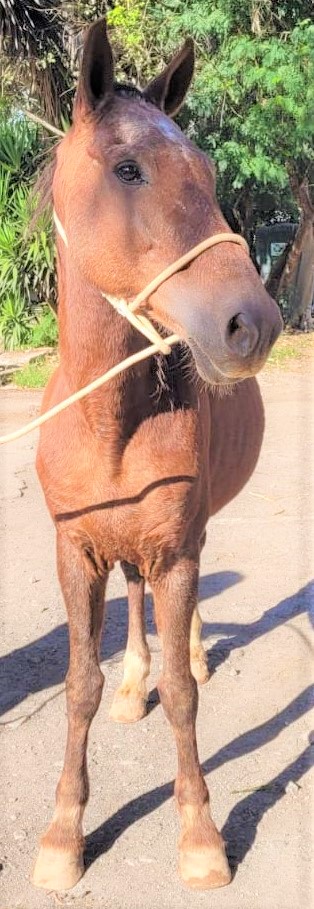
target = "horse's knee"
x: 179, y: 699
x: 84, y: 692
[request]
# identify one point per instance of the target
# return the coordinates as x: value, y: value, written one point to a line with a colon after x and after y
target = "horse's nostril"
x: 242, y: 334
x: 234, y: 324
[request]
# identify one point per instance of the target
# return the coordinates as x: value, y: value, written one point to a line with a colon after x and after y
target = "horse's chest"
x: 149, y: 524
x: 141, y: 506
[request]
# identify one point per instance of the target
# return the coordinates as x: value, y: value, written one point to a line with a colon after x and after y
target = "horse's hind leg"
x: 202, y: 862
x: 199, y: 667
x: 198, y: 656
x: 60, y: 861
x: 129, y: 703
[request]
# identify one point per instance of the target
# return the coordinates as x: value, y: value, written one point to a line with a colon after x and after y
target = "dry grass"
x: 291, y: 346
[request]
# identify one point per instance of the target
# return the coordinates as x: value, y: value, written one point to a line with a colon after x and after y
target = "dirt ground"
x: 253, y: 724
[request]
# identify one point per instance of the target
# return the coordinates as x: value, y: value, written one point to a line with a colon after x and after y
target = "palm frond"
x: 32, y: 35
x: 29, y: 27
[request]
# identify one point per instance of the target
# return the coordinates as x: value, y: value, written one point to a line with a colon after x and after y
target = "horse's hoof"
x: 200, y: 671
x: 127, y: 708
x: 205, y: 869
x: 57, y: 869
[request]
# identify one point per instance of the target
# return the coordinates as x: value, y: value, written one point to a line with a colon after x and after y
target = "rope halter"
x: 138, y: 320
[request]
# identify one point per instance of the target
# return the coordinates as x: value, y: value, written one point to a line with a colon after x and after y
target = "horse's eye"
x: 129, y: 172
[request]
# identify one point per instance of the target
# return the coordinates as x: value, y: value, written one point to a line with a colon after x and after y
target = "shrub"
x: 37, y: 374
x: 44, y: 332
x: 15, y: 328
x: 19, y: 144
x: 27, y: 275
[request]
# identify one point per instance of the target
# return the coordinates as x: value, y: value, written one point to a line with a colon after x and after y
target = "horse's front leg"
x: 202, y: 858
x: 60, y: 860
x: 129, y: 703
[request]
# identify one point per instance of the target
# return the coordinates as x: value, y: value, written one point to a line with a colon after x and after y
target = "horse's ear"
x: 96, y: 77
x: 168, y: 90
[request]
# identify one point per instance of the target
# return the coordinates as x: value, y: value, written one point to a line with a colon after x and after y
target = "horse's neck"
x: 93, y: 338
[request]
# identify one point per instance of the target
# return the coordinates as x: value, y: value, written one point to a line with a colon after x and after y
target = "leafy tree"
x: 253, y: 94
x: 251, y: 106
x: 252, y: 102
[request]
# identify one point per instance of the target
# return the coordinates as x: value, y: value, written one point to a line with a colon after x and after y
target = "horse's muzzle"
x: 247, y: 336
x: 241, y: 348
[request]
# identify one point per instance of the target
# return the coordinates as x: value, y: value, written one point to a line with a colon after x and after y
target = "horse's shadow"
x: 240, y: 829
x: 239, y: 635
x: 43, y: 663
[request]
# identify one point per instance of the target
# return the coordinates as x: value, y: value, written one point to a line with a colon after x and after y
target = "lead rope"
x: 139, y: 321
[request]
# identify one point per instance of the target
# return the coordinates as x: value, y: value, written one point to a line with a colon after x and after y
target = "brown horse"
x: 133, y: 472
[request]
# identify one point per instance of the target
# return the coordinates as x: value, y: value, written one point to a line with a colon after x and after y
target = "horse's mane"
x: 41, y: 195
x: 126, y: 90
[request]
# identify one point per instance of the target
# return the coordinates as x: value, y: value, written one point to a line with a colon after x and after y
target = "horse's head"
x: 134, y: 194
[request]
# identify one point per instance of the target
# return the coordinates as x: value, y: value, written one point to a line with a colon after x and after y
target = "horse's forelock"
x: 127, y: 90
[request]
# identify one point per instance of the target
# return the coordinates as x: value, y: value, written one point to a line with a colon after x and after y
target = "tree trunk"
x: 292, y: 277
x: 300, y: 316
x: 275, y: 275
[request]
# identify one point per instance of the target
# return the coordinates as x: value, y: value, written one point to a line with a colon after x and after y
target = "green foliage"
x: 129, y: 20
x: 19, y: 145
x: 26, y: 255
x: 26, y: 258
x: 44, y: 332
x: 254, y: 107
x: 14, y: 322
x: 36, y: 374
x: 251, y: 106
